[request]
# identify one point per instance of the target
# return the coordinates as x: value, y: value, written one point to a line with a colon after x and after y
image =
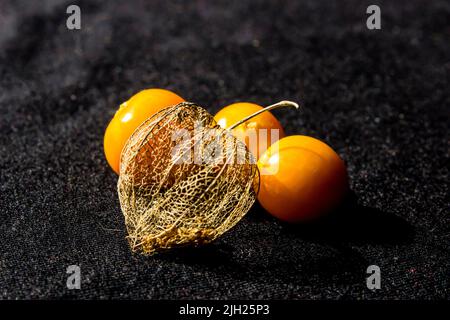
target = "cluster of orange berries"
x: 310, y: 178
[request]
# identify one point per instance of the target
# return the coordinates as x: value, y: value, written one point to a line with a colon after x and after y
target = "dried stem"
x: 277, y: 105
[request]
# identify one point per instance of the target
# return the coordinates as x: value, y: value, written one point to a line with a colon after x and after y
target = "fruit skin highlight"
x: 129, y: 116
x: 304, y: 179
x: 231, y: 114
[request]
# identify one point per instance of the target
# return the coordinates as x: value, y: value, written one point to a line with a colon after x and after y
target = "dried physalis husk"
x: 183, y: 180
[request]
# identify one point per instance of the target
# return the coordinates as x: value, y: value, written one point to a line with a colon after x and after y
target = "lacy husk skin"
x: 169, y: 205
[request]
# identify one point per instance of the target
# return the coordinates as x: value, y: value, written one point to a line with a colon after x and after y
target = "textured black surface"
x: 380, y: 98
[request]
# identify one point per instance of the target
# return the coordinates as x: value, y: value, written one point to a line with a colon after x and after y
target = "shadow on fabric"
x: 328, y: 256
x: 357, y: 224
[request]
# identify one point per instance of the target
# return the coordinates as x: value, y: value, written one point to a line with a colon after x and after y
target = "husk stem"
x: 277, y: 105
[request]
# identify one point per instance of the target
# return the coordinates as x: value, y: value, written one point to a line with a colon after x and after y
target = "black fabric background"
x: 379, y: 98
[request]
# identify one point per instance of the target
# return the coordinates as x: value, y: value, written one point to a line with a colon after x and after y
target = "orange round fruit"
x: 130, y: 115
x: 302, y: 179
x: 253, y: 131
